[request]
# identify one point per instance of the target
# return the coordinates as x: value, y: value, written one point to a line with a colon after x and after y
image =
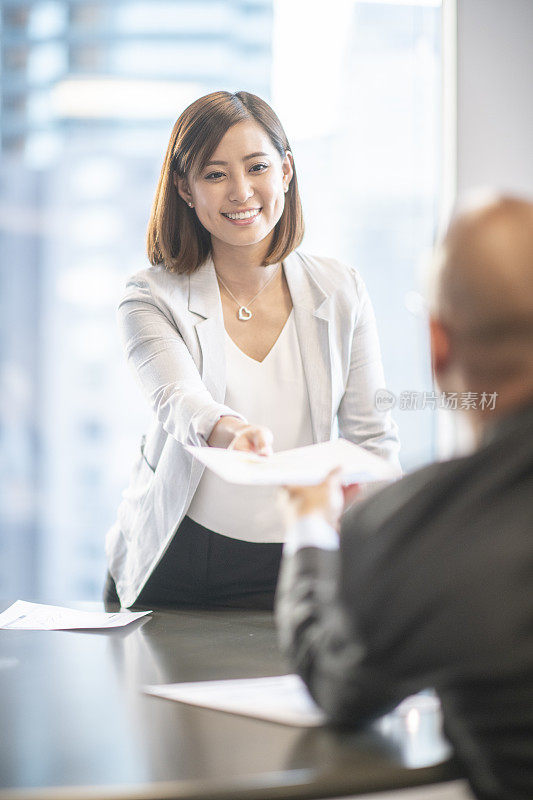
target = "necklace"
x: 244, y: 312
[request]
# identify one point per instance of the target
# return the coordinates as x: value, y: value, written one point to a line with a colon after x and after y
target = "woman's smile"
x: 245, y: 217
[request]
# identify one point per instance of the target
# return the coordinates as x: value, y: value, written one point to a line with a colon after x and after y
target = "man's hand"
x: 325, y: 499
x: 329, y: 499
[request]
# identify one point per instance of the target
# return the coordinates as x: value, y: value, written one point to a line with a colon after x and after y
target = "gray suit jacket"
x: 173, y: 332
x: 432, y: 587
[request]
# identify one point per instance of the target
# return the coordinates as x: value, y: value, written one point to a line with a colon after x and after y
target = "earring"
x: 189, y: 204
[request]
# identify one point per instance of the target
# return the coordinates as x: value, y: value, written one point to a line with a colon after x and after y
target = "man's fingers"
x: 334, y: 474
x: 350, y: 492
x: 293, y: 492
x: 296, y: 491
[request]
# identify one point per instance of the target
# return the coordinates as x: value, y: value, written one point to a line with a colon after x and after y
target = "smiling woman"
x: 198, y: 145
x: 239, y: 340
x: 239, y: 195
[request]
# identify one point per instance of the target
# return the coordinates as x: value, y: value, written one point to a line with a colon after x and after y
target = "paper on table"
x: 282, y: 698
x: 38, y: 617
x: 303, y: 465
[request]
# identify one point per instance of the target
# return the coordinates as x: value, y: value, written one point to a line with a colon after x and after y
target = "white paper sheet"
x: 283, y: 698
x: 38, y: 617
x: 301, y: 466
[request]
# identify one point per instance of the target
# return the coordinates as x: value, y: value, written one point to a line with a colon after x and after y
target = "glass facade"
x: 89, y: 92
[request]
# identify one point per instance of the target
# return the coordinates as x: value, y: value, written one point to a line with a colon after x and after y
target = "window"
x: 357, y: 86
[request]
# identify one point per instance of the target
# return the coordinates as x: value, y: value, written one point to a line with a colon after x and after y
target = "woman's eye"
x: 258, y: 167
x: 213, y: 176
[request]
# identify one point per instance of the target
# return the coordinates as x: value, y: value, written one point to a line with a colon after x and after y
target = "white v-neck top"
x: 272, y: 392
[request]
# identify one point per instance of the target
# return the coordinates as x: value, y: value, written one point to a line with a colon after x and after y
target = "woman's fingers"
x: 262, y: 440
x: 254, y: 438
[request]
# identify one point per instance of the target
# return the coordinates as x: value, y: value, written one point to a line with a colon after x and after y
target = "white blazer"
x: 173, y: 331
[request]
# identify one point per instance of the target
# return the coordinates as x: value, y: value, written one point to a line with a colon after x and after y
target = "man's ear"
x: 440, y: 347
x: 183, y: 188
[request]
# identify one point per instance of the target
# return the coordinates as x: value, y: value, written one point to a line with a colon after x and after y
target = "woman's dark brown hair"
x: 176, y: 238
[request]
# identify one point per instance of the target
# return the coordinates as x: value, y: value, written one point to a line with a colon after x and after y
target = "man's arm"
x: 316, y: 630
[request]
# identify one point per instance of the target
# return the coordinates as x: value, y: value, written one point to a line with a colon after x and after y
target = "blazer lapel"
x: 204, y: 300
x: 312, y: 315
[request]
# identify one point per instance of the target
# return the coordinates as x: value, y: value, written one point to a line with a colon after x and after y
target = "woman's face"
x: 239, y: 195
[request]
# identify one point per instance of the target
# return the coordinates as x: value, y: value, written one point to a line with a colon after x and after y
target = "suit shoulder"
x: 156, y: 283
x: 155, y: 277
x: 387, y: 504
x: 321, y: 265
x: 332, y: 274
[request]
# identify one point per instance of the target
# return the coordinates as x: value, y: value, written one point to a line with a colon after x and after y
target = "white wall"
x: 488, y: 122
x: 495, y: 95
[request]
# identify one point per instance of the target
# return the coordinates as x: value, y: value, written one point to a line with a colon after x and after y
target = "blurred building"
x: 88, y: 95
x: 89, y: 92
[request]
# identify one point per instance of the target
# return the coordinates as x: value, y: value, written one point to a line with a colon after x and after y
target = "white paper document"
x: 37, y: 617
x: 301, y: 466
x: 283, y: 698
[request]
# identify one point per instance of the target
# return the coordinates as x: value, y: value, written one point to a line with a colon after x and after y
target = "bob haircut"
x: 176, y: 238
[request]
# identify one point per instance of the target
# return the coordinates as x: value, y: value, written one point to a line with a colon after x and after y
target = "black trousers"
x: 206, y: 569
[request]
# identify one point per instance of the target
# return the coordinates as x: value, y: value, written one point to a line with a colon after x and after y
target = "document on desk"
x: 283, y: 698
x: 302, y: 466
x: 38, y: 617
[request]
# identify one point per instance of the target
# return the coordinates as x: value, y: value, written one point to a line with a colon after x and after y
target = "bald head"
x: 483, y: 293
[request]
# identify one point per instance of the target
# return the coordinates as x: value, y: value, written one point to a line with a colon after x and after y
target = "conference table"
x: 75, y: 722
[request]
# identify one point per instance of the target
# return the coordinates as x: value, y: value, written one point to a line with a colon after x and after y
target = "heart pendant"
x: 244, y: 313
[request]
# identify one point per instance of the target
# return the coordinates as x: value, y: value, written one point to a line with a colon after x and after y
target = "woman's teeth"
x: 244, y: 214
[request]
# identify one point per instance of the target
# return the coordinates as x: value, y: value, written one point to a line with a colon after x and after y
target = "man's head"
x: 482, y: 304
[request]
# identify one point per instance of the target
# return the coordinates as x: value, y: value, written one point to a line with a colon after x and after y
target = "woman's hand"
x: 235, y: 434
x: 254, y: 439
